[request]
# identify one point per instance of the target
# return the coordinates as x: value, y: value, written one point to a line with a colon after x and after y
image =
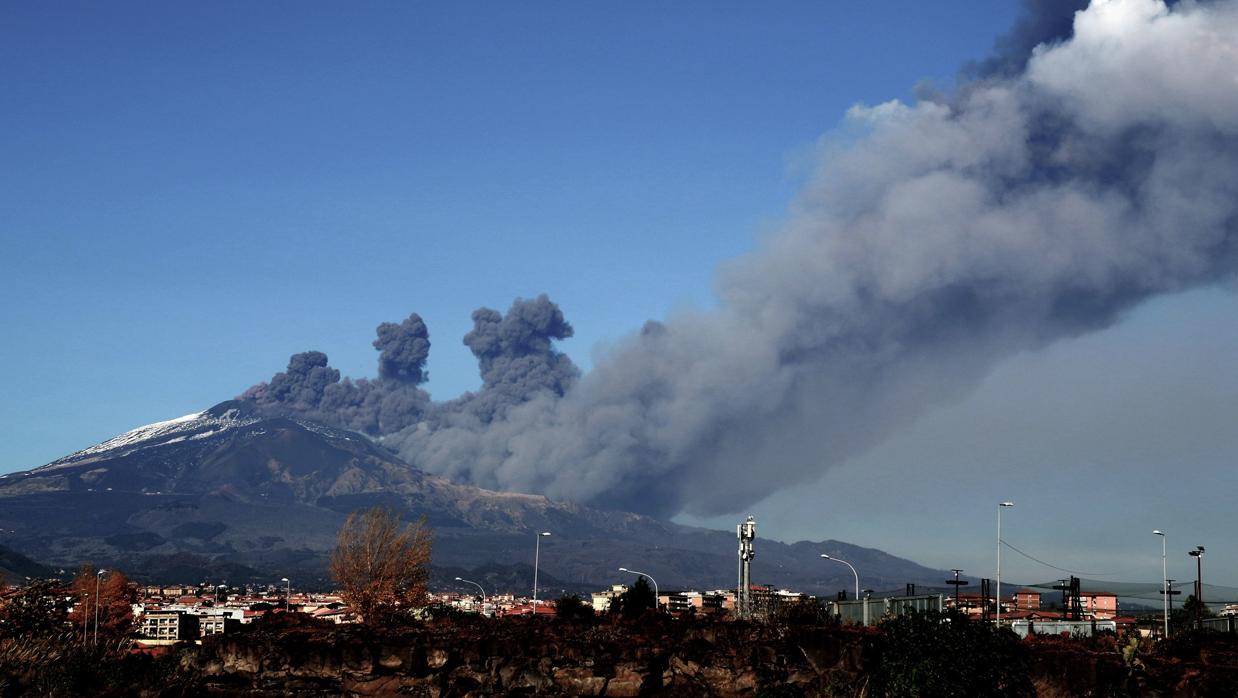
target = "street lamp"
x: 483, y: 591
x: 857, y: 575
x: 1001, y: 506
x: 98, y: 576
x: 655, y: 584
x: 287, y: 594
x: 1198, y: 554
x: 1164, y: 578
x: 537, y: 553
x: 85, y: 617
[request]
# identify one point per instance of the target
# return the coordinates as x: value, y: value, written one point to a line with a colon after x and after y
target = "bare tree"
x: 112, y: 608
x: 381, y: 564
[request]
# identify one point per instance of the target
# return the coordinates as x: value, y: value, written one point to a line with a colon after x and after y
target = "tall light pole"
x: 537, y: 553
x: 1164, y: 578
x: 857, y: 574
x: 287, y: 594
x: 85, y: 617
x: 655, y: 584
x: 483, y: 590
x: 98, y: 576
x: 1000, y: 506
x: 1198, y: 554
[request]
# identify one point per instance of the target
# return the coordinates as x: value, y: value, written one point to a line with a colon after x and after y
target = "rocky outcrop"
x: 533, y: 656
x: 657, y: 657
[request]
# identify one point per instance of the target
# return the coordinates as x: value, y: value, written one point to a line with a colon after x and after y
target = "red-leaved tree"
x: 114, y: 603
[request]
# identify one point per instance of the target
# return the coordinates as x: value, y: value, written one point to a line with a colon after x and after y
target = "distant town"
x: 168, y: 614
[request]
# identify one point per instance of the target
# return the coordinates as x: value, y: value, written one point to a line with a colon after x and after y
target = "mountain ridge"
x: 231, y: 491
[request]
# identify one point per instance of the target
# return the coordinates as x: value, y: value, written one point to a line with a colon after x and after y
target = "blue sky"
x: 194, y: 193
x: 191, y: 193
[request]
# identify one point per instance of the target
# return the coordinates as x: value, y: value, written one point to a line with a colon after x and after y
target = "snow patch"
x: 191, y: 426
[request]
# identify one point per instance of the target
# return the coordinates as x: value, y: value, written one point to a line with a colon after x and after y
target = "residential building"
x: 1099, y: 604
x: 170, y: 626
x: 1027, y: 600
x: 602, y: 599
x: 679, y: 601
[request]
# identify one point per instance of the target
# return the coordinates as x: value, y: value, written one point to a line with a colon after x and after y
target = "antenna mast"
x: 746, y: 532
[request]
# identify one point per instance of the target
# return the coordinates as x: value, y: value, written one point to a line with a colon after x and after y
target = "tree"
x: 571, y: 607
x: 1185, y: 617
x: 633, y: 603
x: 35, y: 610
x: 114, y: 604
x: 382, y: 564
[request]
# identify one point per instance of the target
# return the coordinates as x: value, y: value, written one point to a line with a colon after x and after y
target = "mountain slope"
x: 229, y: 492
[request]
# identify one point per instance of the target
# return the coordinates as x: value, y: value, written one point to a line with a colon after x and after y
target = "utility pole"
x: 957, y: 584
x: 1064, y: 587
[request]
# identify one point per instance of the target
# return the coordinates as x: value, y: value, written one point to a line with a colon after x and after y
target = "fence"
x: 1074, y: 628
x: 869, y: 611
x: 1225, y: 624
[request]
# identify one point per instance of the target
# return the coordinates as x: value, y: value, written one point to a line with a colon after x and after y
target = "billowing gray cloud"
x: 1040, y: 22
x: 946, y: 237
x: 311, y: 389
x: 404, y: 349
x: 1040, y: 202
x: 515, y: 354
x: 300, y: 386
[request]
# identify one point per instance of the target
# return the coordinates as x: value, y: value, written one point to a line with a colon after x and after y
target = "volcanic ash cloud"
x: 1041, y: 200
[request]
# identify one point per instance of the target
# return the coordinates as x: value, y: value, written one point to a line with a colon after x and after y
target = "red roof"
x: 1034, y: 614
x: 529, y: 609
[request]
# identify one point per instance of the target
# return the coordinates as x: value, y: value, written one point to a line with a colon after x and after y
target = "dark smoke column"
x: 516, y: 355
x: 404, y: 349
x: 310, y: 389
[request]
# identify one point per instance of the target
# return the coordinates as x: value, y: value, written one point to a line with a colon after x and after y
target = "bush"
x: 946, y: 654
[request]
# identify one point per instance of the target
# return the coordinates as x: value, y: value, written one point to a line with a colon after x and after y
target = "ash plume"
x: 404, y: 349
x: 309, y: 388
x: 515, y: 353
x: 1040, y: 22
x: 936, y: 238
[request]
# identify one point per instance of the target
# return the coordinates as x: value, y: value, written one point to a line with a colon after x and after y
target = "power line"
x: 1063, y: 569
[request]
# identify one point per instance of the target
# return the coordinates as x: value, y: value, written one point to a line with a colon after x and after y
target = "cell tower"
x: 746, y: 532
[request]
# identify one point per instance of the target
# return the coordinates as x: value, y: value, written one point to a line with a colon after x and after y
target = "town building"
x: 170, y: 626
x: 603, y: 599
x: 1099, y: 604
x: 1027, y: 600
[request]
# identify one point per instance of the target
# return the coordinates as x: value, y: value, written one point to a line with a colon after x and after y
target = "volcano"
x: 232, y: 494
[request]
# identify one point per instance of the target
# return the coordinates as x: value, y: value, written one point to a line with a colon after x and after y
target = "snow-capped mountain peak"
x: 200, y: 425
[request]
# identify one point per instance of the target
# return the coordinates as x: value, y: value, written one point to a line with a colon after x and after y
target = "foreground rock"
x: 662, y: 657
x: 531, y: 657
